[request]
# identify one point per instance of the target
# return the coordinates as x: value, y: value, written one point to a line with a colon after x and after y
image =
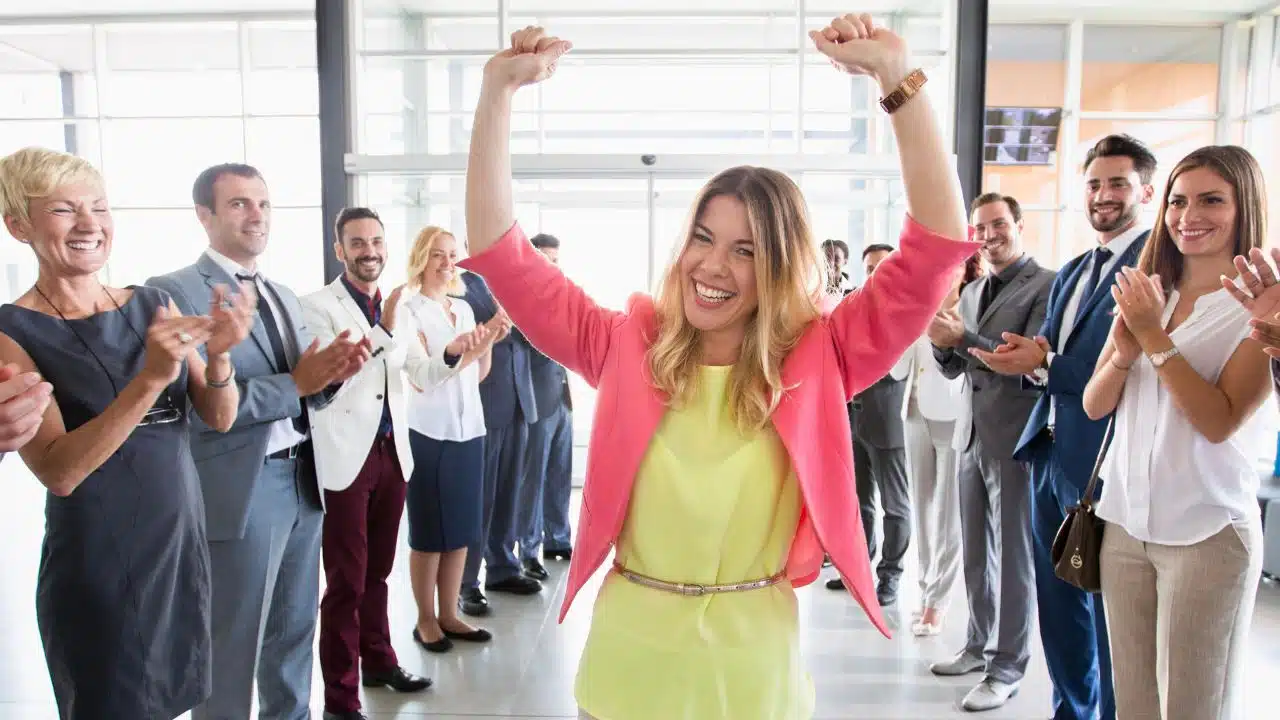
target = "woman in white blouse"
x: 446, y: 434
x: 933, y: 404
x: 1181, y: 553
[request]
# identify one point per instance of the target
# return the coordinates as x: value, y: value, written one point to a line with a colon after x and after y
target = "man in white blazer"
x: 363, y: 462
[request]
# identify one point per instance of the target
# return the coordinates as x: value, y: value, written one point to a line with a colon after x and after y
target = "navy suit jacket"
x: 509, y: 384
x: 550, y: 383
x: 1077, y: 439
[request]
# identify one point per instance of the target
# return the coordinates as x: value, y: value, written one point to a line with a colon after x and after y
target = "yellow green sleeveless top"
x: 709, y: 506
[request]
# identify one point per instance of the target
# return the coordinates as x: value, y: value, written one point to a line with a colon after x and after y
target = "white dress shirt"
x: 451, y: 409
x: 283, y: 434
x: 1163, y: 481
x: 1118, y: 246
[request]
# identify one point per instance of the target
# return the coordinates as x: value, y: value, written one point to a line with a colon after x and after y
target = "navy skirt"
x: 444, y: 497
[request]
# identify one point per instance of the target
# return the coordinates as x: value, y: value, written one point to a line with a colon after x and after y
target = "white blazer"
x: 343, y: 432
x: 938, y: 398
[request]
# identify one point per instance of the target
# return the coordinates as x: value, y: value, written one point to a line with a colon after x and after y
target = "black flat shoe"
x: 474, y: 603
x: 835, y: 584
x: 515, y: 585
x: 443, y: 645
x: 398, y: 679
x: 479, y: 635
x: 565, y: 555
x: 535, y: 570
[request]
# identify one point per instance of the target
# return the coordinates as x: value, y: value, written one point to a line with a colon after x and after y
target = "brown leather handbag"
x: 1078, y: 544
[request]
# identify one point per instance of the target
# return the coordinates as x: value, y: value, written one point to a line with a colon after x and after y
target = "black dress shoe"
x: 353, y: 715
x: 535, y: 570
x: 443, y: 645
x: 565, y: 555
x: 835, y: 584
x: 515, y: 585
x: 479, y: 635
x: 887, y: 593
x: 473, y: 602
x: 397, y: 679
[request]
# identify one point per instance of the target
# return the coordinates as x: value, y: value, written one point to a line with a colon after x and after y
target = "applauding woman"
x: 122, y: 598
x: 1182, y: 552
x: 721, y: 462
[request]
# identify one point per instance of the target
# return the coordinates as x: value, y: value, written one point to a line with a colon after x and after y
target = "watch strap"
x: 906, y: 90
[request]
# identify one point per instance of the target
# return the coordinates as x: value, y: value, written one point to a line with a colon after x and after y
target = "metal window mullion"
x: 242, y: 42
x: 801, y: 36
x: 1069, y: 133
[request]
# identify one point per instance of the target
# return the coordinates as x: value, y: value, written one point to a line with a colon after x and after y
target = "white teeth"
x: 711, y: 294
x: 83, y: 245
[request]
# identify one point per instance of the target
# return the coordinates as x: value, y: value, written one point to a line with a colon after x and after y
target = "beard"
x: 1124, y: 216
x: 366, y: 273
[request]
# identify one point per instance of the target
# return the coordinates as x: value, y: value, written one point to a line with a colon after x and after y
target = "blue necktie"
x: 1100, y: 257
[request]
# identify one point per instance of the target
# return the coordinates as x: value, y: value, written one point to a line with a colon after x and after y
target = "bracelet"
x: 1117, y: 365
x: 906, y: 90
x: 218, y: 384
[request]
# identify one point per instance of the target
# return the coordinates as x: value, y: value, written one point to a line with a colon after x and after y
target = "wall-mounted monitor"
x: 1021, y: 135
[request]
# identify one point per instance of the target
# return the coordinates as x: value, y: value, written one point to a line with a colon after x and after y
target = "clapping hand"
x: 1139, y: 300
x: 1018, y: 355
x: 468, y: 341
x: 1260, y: 296
x: 232, y: 318
x: 532, y: 58
x: 169, y: 339
x: 946, y: 329
x: 855, y: 45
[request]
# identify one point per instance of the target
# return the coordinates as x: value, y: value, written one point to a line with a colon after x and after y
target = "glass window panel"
x: 31, y: 95
x: 287, y: 152
x: 658, y: 133
x: 1275, y: 62
x: 282, y: 92
x: 1170, y: 140
x: 387, y: 25
x: 79, y: 136
x: 649, y: 6
x: 1151, y: 69
x: 282, y: 45
x: 1029, y: 184
x: 172, y: 94
x: 677, y: 33
x: 927, y: 34
x: 832, y: 133
x: 1040, y: 236
x: 48, y: 47
x: 173, y: 46
x: 465, y: 33
x: 147, y: 243
x: 437, y: 133
x: 826, y: 89
x: 294, y: 254
x: 152, y: 163
x: 1026, y: 66
x: 653, y: 86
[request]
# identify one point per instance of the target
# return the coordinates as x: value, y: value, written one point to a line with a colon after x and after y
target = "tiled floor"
x: 527, y: 672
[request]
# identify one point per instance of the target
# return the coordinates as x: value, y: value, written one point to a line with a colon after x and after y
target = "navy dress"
x: 122, y: 596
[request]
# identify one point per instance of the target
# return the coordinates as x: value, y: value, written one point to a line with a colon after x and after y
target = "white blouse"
x: 1162, y: 481
x: 450, y: 409
x: 938, y: 397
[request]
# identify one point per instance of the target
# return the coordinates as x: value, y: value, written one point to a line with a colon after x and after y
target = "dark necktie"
x: 1100, y: 257
x: 273, y: 336
x: 989, y: 292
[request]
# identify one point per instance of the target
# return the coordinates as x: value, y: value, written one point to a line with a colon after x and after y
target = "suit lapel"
x: 348, y: 303
x: 1027, y: 271
x: 1060, y: 312
x: 214, y: 275
x: 1130, y: 257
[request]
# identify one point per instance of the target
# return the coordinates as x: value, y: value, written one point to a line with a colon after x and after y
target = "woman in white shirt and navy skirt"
x: 1182, y: 549
x: 446, y: 434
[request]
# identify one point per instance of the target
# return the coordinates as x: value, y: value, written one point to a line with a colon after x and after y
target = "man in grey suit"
x: 995, y: 490
x: 263, y: 503
x: 880, y: 459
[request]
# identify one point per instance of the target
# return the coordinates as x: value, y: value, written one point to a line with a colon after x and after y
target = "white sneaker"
x: 961, y: 664
x: 989, y: 695
x: 924, y: 629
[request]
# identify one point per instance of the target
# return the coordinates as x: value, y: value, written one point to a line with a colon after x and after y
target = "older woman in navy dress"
x: 122, y: 597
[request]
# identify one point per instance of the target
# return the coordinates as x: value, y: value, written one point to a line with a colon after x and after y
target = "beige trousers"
x: 1178, y: 618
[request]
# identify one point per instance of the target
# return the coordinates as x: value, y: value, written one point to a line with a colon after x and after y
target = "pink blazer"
x: 837, y: 357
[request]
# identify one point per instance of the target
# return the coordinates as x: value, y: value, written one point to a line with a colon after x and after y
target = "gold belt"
x: 696, y: 590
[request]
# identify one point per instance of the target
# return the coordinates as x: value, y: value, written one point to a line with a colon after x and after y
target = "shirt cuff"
x: 450, y: 359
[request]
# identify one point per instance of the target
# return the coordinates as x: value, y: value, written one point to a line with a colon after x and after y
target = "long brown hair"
x: 1240, y: 169
x: 789, y: 279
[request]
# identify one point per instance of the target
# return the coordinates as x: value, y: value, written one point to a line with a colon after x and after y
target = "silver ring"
x: 184, y: 338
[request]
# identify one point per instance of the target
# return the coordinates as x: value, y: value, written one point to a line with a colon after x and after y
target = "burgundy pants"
x: 361, y: 528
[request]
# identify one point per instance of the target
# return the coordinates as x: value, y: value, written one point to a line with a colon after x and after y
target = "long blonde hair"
x: 421, y: 253
x: 789, y: 283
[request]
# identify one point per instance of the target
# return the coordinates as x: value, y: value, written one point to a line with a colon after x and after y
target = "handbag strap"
x: 1087, y: 501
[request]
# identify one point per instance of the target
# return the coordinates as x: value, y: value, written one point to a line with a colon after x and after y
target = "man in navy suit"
x: 543, y: 515
x: 1060, y: 442
x: 509, y: 408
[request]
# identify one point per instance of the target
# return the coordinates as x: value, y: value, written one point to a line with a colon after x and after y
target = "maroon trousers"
x: 361, y: 528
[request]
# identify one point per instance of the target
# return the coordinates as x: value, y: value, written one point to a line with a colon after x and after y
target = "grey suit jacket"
x: 996, y: 407
x: 229, y: 463
x: 880, y: 422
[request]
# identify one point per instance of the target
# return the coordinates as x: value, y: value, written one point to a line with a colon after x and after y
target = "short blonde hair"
x: 36, y: 172
x: 421, y: 253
